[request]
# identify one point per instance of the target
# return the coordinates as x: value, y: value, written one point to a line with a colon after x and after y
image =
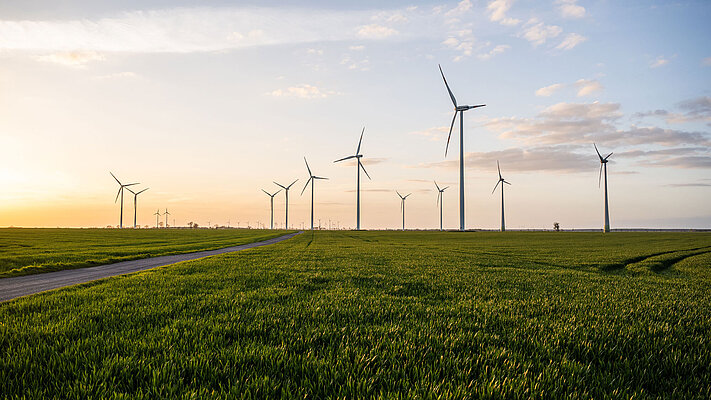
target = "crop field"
x: 382, y: 315
x: 31, y: 251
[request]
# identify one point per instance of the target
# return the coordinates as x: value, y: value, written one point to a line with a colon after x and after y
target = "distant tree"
x: 160, y: 224
x: 556, y: 226
x: 190, y: 224
x: 195, y: 225
x: 146, y: 226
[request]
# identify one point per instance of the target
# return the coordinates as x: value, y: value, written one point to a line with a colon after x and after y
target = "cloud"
x: 72, y: 58
x: 356, y: 48
x: 570, y: 41
x: 686, y: 158
x: 366, y: 161
x: 375, y: 31
x: 699, y: 184
x: 537, y: 32
x: 435, y: 134
x: 587, y: 87
x: 304, y: 91
x: 117, y: 75
x: 570, y: 9
x: 461, y: 41
x: 692, y: 110
x: 318, y: 52
x: 461, y: 8
x: 547, y: 91
x: 660, y: 61
x: 497, y: 12
x: 496, y: 50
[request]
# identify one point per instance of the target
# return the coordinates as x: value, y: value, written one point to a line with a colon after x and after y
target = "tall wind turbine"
x: 357, y: 156
x: 271, y: 200
x: 120, y: 192
x: 402, y: 207
x: 135, y: 197
x: 166, y: 214
x: 458, y: 109
x: 157, y: 214
x: 311, y: 180
x: 603, y: 165
x: 286, y: 189
x: 440, y: 200
x: 501, y: 181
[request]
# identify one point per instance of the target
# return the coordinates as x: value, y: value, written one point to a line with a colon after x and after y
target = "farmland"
x: 31, y: 251
x: 382, y: 314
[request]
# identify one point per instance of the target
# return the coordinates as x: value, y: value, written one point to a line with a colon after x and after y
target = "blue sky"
x: 208, y: 102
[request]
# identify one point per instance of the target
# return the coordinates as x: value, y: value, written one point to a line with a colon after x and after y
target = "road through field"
x: 11, y: 288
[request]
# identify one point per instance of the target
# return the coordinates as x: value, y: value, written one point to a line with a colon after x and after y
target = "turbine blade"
x: 599, y: 177
x: 407, y: 196
x: 451, y: 95
x: 499, y: 168
x: 598, y: 153
x: 497, y: 184
x: 291, y: 184
x: 436, y: 185
x: 608, y: 156
x: 366, y: 172
x: 450, y: 133
x: 112, y: 174
x: 279, y: 185
x: 398, y: 193
x: 275, y: 193
x: 444, y: 188
x: 134, y: 193
x: 118, y: 193
x: 131, y: 184
x: 318, y: 177
x: 307, y: 166
x: 344, y: 158
x: 307, y: 184
x: 506, y: 183
x: 142, y: 191
x: 477, y: 106
x: 361, y: 140
x: 439, y: 194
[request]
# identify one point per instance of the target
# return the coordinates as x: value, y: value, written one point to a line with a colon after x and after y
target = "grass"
x: 32, y: 251
x: 382, y: 315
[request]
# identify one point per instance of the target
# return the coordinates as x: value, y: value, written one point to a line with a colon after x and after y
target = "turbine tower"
x: 311, y: 180
x: 135, y: 197
x: 157, y: 214
x: 286, y: 190
x: 357, y: 156
x: 402, y: 207
x: 458, y: 109
x: 120, y: 192
x: 166, y: 214
x: 440, y: 200
x: 501, y: 181
x: 271, y: 200
x: 603, y: 165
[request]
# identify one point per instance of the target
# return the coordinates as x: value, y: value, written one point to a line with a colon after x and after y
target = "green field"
x: 31, y: 251
x: 382, y: 314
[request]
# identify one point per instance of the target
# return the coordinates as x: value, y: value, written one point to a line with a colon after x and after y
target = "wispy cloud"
x: 571, y: 40
x: 691, y: 110
x: 538, y: 33
x: 570, y: 9
x: 659, y: 62
x: 548, y: 91
x: 117, y: 75
x: 72, y: 58
x: 494, y: 51
x: 461, y: 8
x: 303, y: 91
x: 375, y: 31
x: 497, y: 12
x: 433, y: 134
x: 587, y: 87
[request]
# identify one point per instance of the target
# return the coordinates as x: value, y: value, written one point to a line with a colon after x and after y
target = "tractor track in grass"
x: 664, y: 264
x: 12, y: 288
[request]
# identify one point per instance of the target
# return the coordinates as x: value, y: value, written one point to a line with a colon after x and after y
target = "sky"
x: 206, y: 103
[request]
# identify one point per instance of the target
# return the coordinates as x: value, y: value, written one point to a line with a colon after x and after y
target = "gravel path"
x: 11, y: 288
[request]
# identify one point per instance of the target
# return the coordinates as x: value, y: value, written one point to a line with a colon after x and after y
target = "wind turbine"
x: 157, y: 214
x: 440, y: 201
x: 271, y: 195
x: 120, y: 192
x: 311, y: 180
x: 166, y: 214
x: 402, y: 207
x: 135, y: 197
x: 501, y: 181
x: 357, y: 156
x: 286, y: 189
x: 603, y: 165
x: 458, y: 109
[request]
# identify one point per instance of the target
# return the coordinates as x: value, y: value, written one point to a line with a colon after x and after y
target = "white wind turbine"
x: 120, y: 193
x: 311, y: 180
x: 460, y: 110
x: 271, y: 201
x: 357, y: 156
x: 603, y: 165
x: 166, y: 214
x: 286, y: 190
x: 402, y: 206
x: 501, y: 181
x: 135, y: 199
x: 157, y: 214
x: 440, y: 201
